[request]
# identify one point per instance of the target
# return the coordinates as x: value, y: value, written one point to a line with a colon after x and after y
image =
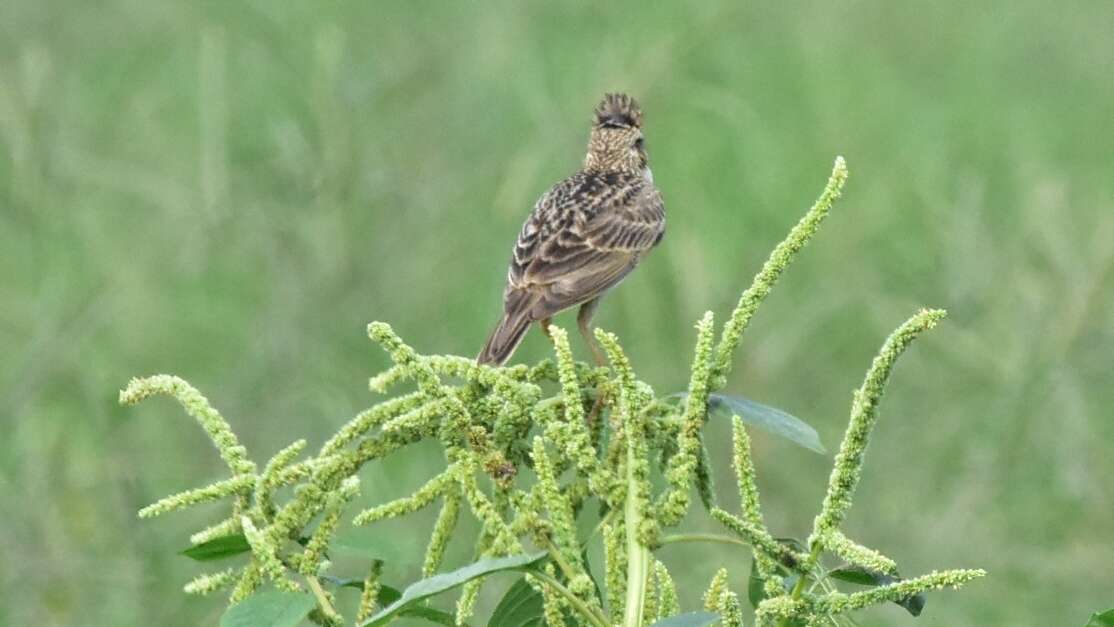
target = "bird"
x: 584, y: 235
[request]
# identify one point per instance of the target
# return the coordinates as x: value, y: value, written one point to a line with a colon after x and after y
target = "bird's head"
x: 616, y: 142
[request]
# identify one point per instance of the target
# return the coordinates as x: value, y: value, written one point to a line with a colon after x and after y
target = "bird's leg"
x: 584, y: 321
x: 545, y: 322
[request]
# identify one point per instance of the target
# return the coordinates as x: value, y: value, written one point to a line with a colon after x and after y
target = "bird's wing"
x: 583, y: 237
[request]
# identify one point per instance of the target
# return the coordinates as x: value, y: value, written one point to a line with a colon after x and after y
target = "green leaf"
x: 447, y: 581
x: 521, y: 606
x: 588, y: 571
x: 388, y: 595
x: 344, y: 582
x: 688, y: 619
x: 1105, y: 619
x: 218, y: 548
x: 858, y: 575
x: 273, y: 608
x: 769, y: 419
x: 430, y: 615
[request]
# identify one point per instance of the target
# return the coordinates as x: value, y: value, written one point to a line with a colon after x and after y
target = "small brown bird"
x: 584, y: 235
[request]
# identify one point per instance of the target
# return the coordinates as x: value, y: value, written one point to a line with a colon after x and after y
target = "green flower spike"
x: 229, y: 487
x: 250, y: 580
x: 422, y: 497
x: 267, y: 482
x: 442, y: 531
x: 211, y: 582
x: 571, y: 434
x: 266, y: 555
x: 673, y: 504
x: 456, y: 419
x: 778, y: 261
x: 849, y: 460
x: 319, y: 541
x: 223, y: 528
x: 197, y: 406
x: 421, y: 417
x: 782, y: 608
x: 615, y: 572
x: 759, y: 539
x: 631, y: 400
x: 858, y: 554
x: 370, y: 418
x: 466, y: 604
x: 567, y: 553
x: 731, y: 613
x: 715, y: 591
x: 668, y: 604
x: 370, y: 593
x: 748, y: 492
x: 838, y: 603
x: 504, y: 541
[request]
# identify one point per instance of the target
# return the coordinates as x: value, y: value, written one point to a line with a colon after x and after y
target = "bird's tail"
x: 505, y: 338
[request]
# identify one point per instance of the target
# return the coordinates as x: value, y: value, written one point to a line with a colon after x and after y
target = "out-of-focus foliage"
x: 231, y: 191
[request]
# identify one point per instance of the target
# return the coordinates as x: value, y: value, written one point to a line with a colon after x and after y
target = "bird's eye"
x: 639, y: 143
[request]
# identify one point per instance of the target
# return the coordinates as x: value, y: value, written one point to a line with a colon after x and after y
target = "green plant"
x: 527, y: 465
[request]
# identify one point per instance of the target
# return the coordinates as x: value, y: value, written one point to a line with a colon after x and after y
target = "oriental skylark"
x: 584, y: 235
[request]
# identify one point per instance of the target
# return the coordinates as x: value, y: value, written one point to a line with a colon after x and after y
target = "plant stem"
x: 701, y: 537
x: 802, y: 580
x: 578, y: 604
x: 638, y: 556
x: 322, y: 598
x: 555, y: 555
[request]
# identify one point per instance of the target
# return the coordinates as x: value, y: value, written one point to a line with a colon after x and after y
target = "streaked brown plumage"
x: 585, y: 234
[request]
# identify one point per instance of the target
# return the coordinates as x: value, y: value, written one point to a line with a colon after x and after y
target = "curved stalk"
x: 802, y: 580
x: 701, y: 537
x: 578, y: 604
x: 322, y: 598
x: 638, y: 556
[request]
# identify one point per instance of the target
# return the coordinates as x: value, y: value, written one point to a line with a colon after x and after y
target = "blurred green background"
x: 230, y: 191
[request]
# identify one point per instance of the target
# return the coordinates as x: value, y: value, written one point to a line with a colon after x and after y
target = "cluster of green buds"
x: 528, y: 452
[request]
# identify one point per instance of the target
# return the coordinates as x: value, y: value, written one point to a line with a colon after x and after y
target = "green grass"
x: 231, y: 191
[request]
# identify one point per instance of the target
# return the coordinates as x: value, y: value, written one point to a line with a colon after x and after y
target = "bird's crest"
x: 618, y: 111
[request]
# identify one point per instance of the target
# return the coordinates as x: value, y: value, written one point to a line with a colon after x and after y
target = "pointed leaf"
x: 858, y: 575
x: 769, y: 419
x: 521, y: 606
x: 273, y: 608
x: 588, y: 571
x: 447, y: 581
x: 524, y: 606
x: 430, y: 615
x: 1105, y: 619
x: 688, y: 619
x: 218, y: 548
x: 343, y: 582
x: 388, y: 595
